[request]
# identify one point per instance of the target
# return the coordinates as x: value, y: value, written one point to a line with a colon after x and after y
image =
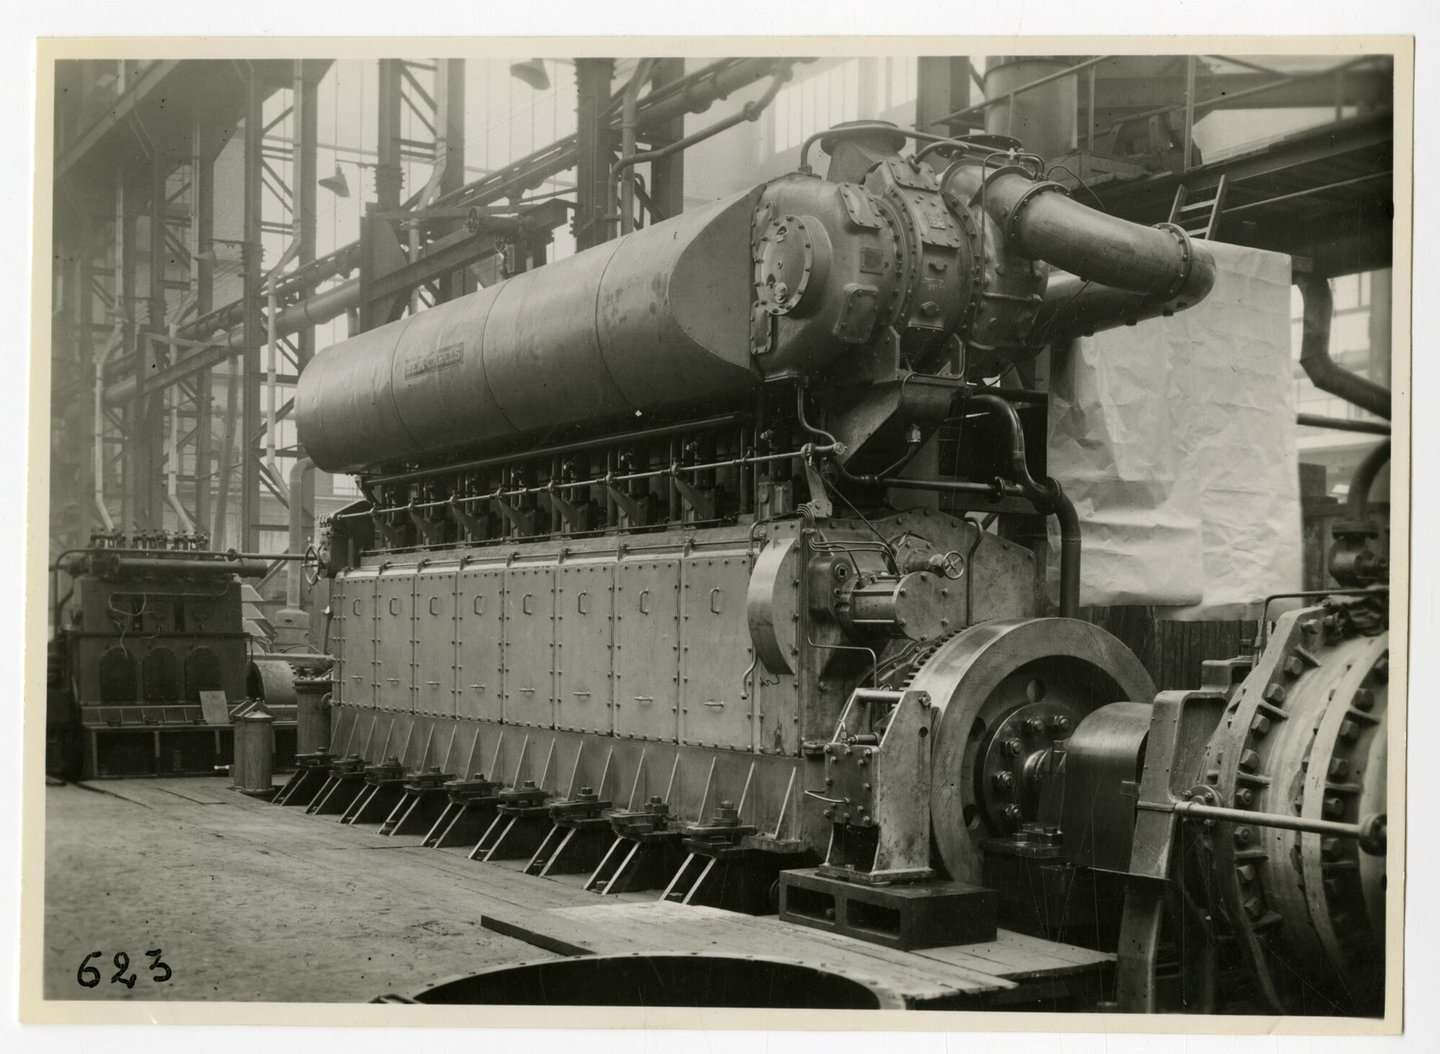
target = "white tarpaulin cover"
x: 1175, y: 439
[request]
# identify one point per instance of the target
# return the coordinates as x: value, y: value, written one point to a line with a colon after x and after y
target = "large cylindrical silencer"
x: 652, y: 321
x: 312, y: 719
x: 1043, y: 118
x: 254, y: 752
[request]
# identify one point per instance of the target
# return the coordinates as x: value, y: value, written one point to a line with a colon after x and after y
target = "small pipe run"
x: 641, y: 436
x: 673, y: 471
x: 108, y: 561
x: 1342, y: 424
x: 1357, y: 501
x: 302, y: 467
x: 1372, y: 829
x: 1046, y: 497
x: 850, y: 131
x: 1324, y: 372
x: 751, y: 111
x: 172, y: 467
x: 630, y: 97
x: 116, y: 337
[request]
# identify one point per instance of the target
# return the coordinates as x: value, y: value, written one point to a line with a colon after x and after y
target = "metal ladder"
x: 1199, y: 217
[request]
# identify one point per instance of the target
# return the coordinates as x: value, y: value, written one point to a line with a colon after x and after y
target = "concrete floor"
x: 251, y: 901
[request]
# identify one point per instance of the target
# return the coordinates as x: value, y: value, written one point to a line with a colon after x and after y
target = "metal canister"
x: 1043, y: 118
x: 254, y: 752
x: 312, y: 718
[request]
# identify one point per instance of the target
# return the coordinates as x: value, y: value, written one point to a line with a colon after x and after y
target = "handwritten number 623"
x: 89, y: 977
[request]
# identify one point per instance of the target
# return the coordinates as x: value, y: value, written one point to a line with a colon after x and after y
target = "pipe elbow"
x: 1319, y: 308
x: 1315, y: 359
x: 1163, y: 263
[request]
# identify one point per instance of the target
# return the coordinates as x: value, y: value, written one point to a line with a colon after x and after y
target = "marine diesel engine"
x: 653, y: 545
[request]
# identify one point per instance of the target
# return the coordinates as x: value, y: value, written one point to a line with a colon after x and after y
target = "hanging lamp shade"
x: 337, y: 184
x: 532, y: 72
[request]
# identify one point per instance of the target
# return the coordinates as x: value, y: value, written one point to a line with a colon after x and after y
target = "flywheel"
x: 1005, y: 693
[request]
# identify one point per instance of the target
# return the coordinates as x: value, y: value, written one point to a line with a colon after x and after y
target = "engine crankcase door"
x: 715, y: 708
x: 394, y: 651
x: 479, y: 643
x: 647, y: 649
x: 434, y: 634
x: 530, y: 646
x: 353, y: 638
x: 584, y: 622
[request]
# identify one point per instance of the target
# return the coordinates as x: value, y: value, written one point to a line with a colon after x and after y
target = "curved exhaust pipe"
x: 1118, y: 272
x: 1161, y: 263
x: 1324, y: 372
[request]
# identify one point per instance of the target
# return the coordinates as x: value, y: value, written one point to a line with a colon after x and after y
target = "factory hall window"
x: 816, y: 103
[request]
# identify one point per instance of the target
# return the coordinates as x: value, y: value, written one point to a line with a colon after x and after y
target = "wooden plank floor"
x: 1012, y: 969
x: 252, y: 901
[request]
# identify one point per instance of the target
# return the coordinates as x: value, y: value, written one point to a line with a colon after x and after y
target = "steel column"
x: 667, y: 174
x: 202, y: 274
x: 943, y: 86
x: 304, y: 185
x: 450, y: 123
x: 389, y: 176
x: 595, y: 142
x: 254, y: 327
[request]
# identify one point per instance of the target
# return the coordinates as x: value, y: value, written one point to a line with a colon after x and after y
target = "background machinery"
x: 645, y: 580
x: 153, y: 658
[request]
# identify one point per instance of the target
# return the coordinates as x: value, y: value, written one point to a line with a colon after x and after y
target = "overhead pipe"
x: 751, y: 111
x: 312, y: 311
x: 1324, y: 372
x: 694, y: 93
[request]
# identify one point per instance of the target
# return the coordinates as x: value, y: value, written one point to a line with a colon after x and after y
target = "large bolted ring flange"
x: 1053, y: 669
